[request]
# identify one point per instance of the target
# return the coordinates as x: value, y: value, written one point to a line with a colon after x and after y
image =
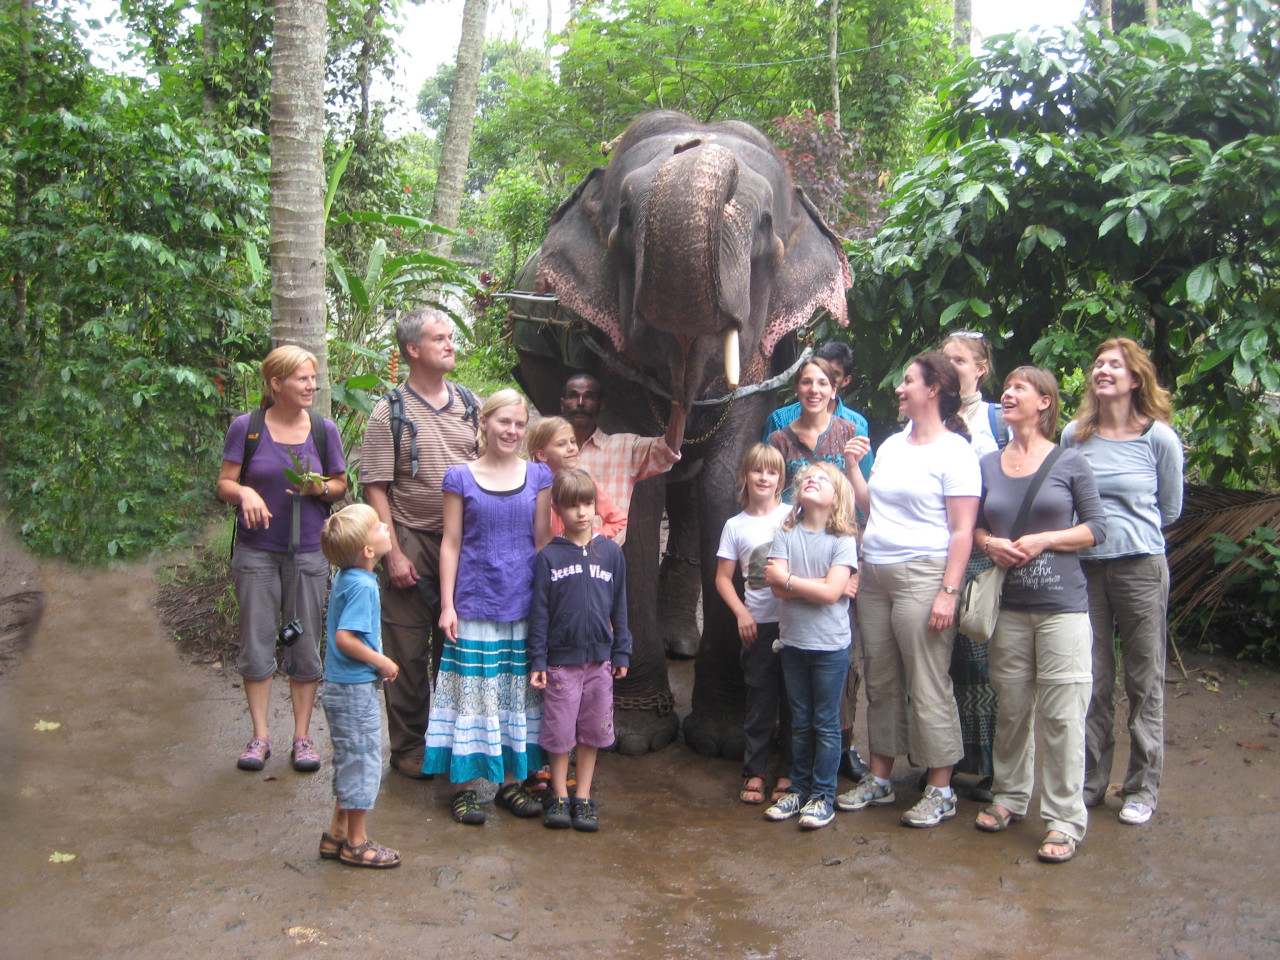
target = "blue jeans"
x: 815, y: 681
x: 355, y: 726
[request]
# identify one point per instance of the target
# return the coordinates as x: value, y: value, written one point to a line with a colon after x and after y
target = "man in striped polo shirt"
x: 435, y: 423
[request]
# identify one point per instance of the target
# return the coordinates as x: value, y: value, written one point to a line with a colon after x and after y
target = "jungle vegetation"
x: 1054, y: 190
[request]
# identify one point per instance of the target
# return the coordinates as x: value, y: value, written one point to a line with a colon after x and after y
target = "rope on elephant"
x: 660, y: 703
x: 651, y: 385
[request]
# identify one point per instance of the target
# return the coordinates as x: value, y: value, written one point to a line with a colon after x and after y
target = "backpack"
x: 253, y: 437
x: 395, y: 401
x: 999, y: 430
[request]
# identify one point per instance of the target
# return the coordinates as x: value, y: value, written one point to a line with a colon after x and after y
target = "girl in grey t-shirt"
x: 810, y: 567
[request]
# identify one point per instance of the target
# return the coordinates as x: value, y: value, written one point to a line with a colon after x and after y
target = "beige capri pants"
x: 911, y: 707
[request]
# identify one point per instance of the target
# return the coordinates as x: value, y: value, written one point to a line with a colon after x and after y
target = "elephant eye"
x: 766, y: 222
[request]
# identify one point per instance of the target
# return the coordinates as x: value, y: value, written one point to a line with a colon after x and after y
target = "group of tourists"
x: 966, y: 484
x: 481, y: 587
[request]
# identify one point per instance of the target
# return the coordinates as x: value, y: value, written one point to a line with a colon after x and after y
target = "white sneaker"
x: 1135, y: 813
x: 932, y: 809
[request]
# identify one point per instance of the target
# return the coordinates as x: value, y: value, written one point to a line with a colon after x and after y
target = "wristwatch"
x: 324, y: 489
x: 950, y: 591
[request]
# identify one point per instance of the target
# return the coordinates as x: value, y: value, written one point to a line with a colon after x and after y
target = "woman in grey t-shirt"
x: 1123, y: 428
x: 1040, y: 652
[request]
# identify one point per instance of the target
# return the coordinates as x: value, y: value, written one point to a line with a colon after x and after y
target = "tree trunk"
x: 962, y: 27
x: 456, y: 149
x: 298, y: 182
x: 21, y: 182
x: 1105, y: 13
x: 209, y: 30
x: 1153, y: 18
x: 364, y: 68
x: 833, y: 58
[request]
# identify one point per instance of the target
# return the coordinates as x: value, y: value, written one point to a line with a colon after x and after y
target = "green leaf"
x: 1001, y: 195
x: 1242, y: 372
x: 980, y: 307
x: 1254, y: 343
x: 254, y: 261
x: 1200, y: 283
x: 122, y: 505
x: 1136, y: 224
x: 952, y: 312
x: 1109, y: 223
x: 339, y: 167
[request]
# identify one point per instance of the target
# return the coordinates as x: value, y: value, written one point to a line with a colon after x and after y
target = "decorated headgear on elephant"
x: 693, y: 247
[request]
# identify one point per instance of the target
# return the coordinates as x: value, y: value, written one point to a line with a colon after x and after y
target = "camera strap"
x: 295, y: 541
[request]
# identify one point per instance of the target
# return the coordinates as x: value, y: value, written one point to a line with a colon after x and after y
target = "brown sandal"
x: 383, y: 857
x: 1002, y: 820
x: 752, y: 795
x: 779, y: 790
x: 1056, y: 838
x: 330, y: 846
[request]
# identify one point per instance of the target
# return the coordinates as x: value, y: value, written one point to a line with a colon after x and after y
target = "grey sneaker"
x: 1135, y: 813
x: 932, y: 809
x: 816, y: 813
x: 866, y: 793
x: 786, y: 807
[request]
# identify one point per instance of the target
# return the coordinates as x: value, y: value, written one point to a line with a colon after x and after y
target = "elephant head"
x: 693, y: 251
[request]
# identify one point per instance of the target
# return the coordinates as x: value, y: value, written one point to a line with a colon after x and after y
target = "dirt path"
x: 178, y: 853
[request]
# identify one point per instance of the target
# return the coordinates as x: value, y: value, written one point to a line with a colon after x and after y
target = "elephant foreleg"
x: 679, y: 579
x: 643, y: 705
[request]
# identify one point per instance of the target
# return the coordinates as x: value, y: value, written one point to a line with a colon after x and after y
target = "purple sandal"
x: 255, y: 754
x: 305, y: 758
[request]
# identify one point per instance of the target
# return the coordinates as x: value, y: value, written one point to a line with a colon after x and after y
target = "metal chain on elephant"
x: 662, y: 424
x: 662, y: 704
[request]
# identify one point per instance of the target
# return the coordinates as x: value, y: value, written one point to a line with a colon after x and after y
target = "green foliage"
x: 133, y: 299
x: 1087, y: 185
x: 1246, y: 617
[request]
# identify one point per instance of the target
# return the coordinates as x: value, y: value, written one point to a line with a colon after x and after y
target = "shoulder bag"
x: 980, y: 599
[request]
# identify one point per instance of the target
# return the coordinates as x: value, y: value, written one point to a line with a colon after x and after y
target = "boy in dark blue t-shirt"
x: 578, y: 644
x: 354, y: 539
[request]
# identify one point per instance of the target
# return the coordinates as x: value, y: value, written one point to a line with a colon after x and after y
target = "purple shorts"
x: 577, y: 707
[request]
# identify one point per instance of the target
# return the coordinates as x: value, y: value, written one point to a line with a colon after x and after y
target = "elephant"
x: 691, y: 260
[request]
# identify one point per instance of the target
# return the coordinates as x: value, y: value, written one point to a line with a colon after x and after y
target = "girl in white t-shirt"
x: 921, y: 503
x: 744, y: 545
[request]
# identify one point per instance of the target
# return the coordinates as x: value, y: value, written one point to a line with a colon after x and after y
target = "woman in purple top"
x: 497, y: 515
x: 278, y: 581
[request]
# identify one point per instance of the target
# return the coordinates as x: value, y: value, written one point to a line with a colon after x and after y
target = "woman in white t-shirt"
x: 921, y: 502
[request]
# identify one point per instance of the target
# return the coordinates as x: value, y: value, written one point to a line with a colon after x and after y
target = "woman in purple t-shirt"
x: 497, y: 515
x: 278, y: 581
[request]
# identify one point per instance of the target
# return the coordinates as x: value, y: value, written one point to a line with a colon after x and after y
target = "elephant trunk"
x: 692, y: 250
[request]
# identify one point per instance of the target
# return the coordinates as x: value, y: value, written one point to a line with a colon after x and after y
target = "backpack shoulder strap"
x: 252, y: 437
x: 320, y: 437
x: 999, y: 429
x: 396, y: 420
x: 470, y: 409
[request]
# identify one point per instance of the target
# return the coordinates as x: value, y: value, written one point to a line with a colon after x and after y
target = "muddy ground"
x: 177, y: 853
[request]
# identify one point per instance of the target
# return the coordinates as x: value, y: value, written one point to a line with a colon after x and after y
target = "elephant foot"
x: 644, y: 731
x: 679, y: 588
x: 715, y: 735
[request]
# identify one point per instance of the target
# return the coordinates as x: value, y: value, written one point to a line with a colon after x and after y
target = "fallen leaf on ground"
x: 1198, y: 762
x: 1211, y: 675
x: 57, y: 857
x: 1250, y: 745
x: 43, y: 725
x: 303, y: 935
x: 1210, y: 685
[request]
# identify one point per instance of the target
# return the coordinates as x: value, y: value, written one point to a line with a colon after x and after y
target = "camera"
x: 290, y: 632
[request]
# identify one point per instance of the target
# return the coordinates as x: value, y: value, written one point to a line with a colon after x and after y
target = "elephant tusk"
x: 732, y: 358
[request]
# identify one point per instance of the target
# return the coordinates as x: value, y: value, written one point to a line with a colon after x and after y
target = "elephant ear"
x: 813, y: 274
x: 576, y: 264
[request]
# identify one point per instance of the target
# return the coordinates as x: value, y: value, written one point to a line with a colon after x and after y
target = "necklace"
x: 1017, y: 467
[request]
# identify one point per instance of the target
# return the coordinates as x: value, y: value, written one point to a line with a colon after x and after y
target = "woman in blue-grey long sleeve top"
x: 1123, y: 428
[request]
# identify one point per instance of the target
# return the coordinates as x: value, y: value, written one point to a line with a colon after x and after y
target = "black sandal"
x: 518, y: 800
x: 467, y: 809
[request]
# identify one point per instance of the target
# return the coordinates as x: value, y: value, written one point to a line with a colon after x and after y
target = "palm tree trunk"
x: 833, y: 50
x: 456, y: 149
x: 962, y: 26
x: 298, y: 182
